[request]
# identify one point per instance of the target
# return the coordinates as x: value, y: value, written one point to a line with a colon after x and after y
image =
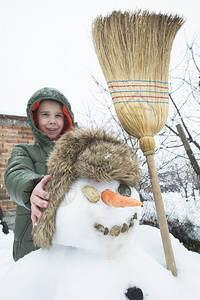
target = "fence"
x: 183, y: 216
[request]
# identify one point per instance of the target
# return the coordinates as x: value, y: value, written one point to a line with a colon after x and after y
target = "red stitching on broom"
x: 152, y: 86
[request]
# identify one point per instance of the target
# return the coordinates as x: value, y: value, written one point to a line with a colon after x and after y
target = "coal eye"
x: 91, y: 193
x: 124, y: 190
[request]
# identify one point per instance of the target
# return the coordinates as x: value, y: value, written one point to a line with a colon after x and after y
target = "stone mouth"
x: 116, y: 230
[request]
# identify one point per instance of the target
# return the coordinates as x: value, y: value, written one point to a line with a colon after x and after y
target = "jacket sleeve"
x: 20, y: 177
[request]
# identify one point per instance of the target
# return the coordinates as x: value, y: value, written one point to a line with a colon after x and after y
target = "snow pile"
x: 77, y: 268
x: 66, y: 273
x: 6, y: 260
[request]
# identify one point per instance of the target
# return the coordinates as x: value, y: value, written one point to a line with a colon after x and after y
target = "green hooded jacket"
x: 27, y: 166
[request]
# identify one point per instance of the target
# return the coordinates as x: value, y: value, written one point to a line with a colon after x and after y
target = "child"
x: 49, y: 114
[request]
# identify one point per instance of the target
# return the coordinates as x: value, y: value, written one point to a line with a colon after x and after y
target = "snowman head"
x: 97, y: 216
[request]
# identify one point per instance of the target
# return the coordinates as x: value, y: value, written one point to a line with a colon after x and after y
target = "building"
x: 13, y: 130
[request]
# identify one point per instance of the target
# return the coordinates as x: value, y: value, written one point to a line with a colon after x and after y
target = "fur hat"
x: 86, y: 153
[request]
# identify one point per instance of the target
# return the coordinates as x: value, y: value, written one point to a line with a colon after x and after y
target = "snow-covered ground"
x: 149, y: 264
x: 66, y: 272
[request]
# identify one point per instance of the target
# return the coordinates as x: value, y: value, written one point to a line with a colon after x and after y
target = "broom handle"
x: 169, y: 256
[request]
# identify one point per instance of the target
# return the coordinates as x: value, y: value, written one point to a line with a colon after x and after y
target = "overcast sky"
x: 48, y: 43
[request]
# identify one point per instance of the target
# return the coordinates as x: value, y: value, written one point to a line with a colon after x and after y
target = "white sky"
x: 48, y: 43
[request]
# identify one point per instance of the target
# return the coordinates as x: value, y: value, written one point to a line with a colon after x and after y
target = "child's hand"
x: 39, y: 199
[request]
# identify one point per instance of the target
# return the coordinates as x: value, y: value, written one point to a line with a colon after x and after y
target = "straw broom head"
x: 133, y: 50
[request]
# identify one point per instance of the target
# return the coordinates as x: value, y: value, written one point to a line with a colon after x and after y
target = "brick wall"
x: 13, y: 130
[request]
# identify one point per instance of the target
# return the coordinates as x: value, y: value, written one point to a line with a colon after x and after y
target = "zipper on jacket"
x: 24, y: 231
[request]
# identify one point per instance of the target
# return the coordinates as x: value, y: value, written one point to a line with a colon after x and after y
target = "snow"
x: 177, y: 207
x: 186, y: 212
x: 77, y: 267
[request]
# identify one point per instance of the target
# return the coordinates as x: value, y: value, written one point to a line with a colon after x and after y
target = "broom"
x: 133, y: 50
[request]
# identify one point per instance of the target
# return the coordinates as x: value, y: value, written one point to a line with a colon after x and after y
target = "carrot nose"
x: 114, y: 199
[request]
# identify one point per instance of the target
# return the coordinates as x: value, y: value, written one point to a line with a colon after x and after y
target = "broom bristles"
x: 135, y: 45
x: 133, y: 50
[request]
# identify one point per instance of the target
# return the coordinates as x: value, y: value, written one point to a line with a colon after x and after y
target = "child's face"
x: 50, y: 118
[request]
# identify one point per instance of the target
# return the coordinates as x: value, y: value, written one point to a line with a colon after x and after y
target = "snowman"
x: 89, y: 226
x: 91, y: 244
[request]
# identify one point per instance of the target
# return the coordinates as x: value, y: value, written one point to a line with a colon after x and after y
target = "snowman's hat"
x: 86, y: 153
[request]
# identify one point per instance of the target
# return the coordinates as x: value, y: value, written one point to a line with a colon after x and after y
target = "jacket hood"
x: 48, y: 94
